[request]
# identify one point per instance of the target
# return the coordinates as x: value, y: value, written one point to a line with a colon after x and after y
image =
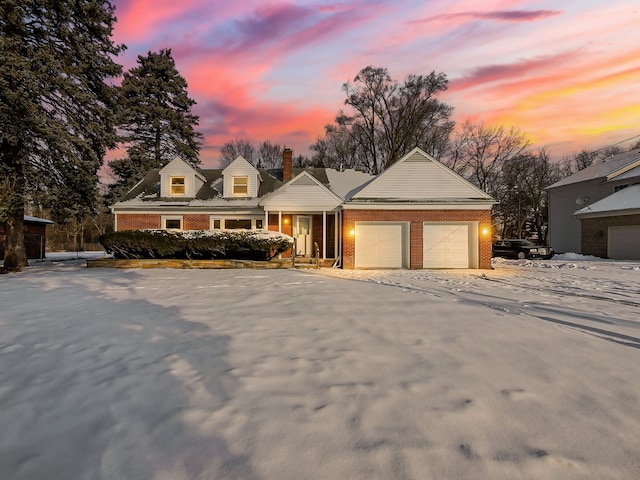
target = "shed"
x: 35, y: 237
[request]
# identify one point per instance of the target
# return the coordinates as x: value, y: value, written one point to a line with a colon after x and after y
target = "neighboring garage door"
x: 379, y: 245
x: 624, y: 243
x: 445, y: 245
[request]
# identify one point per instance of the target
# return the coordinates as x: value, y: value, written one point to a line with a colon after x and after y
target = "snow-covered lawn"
x: 527, y: 371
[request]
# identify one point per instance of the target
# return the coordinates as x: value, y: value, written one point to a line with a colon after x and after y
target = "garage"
x: 446, y: 245
x: 623, y: 242
x: 380, y: 245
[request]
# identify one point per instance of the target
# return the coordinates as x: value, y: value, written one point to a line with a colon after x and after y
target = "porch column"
x: 324, y: 234
x: 280, y: 221
x: 266, y: 220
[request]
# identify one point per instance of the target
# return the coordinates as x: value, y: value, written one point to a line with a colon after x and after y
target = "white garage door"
x: 445, y: 245
x: 379, y: 245
x: 624, y: 243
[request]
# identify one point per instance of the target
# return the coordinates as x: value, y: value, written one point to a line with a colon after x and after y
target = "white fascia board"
x: 417, y: 206
x: 612, y: 213
x: 305, y: 208
x: 623, y: 170
x: 189, y: 211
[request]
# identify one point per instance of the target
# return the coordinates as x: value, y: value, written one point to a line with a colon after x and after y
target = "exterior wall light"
x: 285, y: 221
x: 352, y: 232
x: 485, y: 231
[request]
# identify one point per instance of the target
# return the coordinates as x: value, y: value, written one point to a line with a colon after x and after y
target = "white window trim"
x: 184, y: 185
x: 233, y: 186
x: 172, y: 217
x: 254, y: 220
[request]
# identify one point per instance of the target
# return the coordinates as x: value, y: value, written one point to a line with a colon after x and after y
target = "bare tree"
x: 238, y: 147
x: 585, y: 158
x: 478, y: 152
x: 338, y: 149
x: 385, y: 119
x: 269, y: 155
x: 523, y: 207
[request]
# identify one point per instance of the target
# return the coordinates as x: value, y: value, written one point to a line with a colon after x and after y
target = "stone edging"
x: 177, y: 263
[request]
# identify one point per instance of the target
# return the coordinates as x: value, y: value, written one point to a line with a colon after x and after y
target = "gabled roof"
x: 173, y: 162
x: 240, y: 162
x: 418, y: 177
x: 607, y: 169
x: 622, y: 202
x: 303, y: 192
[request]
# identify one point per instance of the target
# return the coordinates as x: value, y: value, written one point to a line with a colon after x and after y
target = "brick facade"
x: 415, y: 218
x: 135, y: 221
x: 594, y: 232
x: 196, y: 222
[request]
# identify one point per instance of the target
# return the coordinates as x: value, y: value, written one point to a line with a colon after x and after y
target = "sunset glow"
x: 567, y: 75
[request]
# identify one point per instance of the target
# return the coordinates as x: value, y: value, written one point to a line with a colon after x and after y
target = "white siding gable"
x: 179, y: 168
x: 302, y: 193
x: 418, y: 176
x: 241, y: 168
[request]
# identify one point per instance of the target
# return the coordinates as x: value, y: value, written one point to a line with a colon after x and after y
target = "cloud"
x: 292, y: 125
x: 497, y: 15
x: 504, y: 72
x: 139, y: 18
x: 271, y: 22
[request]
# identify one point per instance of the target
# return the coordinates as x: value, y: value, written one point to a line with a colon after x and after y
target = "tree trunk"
x: 15, y: 255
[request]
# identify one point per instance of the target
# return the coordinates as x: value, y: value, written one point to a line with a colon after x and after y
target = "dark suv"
x: 520, y: 249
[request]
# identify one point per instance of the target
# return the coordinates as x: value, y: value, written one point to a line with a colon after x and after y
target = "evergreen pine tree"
x: 156, y: 120
x: 56, y: 111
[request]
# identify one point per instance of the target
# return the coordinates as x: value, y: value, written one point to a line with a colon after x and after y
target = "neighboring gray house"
x: 583, y: 189
x: 611, y: 226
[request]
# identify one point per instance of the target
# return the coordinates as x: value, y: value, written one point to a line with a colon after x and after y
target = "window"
x: 172, y: 223
x: 177, y: 186
x: 238, y: 224
x: 217, y: 223
x: 240, y: 185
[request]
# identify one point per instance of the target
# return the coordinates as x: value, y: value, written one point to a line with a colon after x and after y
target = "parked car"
x: 518, y: 248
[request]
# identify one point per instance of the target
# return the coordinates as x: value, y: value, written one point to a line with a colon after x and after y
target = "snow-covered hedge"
x: 196, y: 244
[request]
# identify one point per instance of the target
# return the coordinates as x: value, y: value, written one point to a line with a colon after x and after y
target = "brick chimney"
x: 287, y: 165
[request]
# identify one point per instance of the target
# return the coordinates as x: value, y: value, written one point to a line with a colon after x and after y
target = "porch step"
x: 305, y: 262
x: 310, y: 262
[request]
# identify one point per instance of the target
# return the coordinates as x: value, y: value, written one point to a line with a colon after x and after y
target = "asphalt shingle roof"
x: 601, y: 169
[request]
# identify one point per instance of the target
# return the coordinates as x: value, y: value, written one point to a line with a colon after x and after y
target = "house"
x: 583, y: 189
x: 611, y: 226
x: 35, y: 237
x: 416, y: 214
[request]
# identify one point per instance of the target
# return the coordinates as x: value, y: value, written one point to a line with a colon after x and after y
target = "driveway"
x: 233, y: 374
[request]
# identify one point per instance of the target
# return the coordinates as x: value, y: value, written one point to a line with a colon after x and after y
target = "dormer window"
x: 240, y: 185
x: 177, y: 186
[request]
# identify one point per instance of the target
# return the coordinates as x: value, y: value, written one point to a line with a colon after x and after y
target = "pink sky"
x: 566, y: 73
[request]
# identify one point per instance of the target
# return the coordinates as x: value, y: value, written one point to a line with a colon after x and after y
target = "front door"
x: 303, y: 235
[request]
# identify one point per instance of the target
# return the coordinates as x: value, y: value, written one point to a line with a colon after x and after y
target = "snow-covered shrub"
x: 196, y: 244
